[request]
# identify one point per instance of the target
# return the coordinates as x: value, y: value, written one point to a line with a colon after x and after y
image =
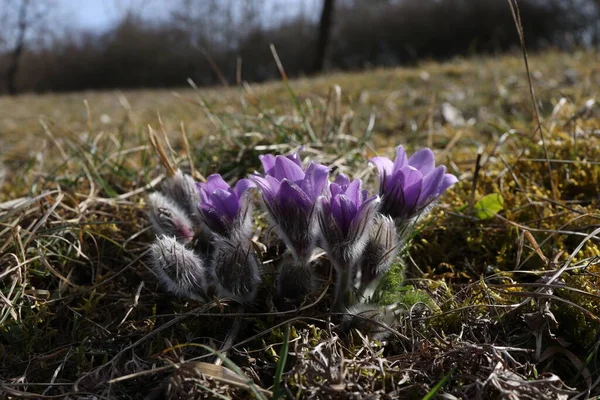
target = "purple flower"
x: 224, y: 208
x: 408, y: 186
x: 289, y: 194
x: 345, y: 219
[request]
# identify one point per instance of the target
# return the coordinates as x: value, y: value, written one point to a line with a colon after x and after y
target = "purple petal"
x: 364, y: 195
x: 214, y: 182
x: 315, y: 180
x: 368, y: 207
x: 447, y: 181
x: 268, y: 185
x: 291, y: 195
x: 342, y: 180
x: 409, y: 176
x: 431, y: 182
x: 202, y: 193
x: 362, y: 222
x: 423, y: 160
x: 287, y: 169
x: 328, y: 223
x: 406, y: 187
x: 242, y: 185
x: 353, y: 191
x: 400, y: 161
x: 268, y: 163
x: 225, y: 203
x: 413, y: 182
x: 335, y: 189
x: 385, y: 167
x: 295, y: 157
x: 214, y: 218
x: 343, y: 211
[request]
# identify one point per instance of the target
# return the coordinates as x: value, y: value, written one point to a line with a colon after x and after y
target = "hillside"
x: 502, y: 304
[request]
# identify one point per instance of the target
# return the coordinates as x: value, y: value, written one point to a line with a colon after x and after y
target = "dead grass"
x: 506, y: 307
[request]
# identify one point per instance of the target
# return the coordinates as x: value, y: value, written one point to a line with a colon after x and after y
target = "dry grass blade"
x: 514, y: 8
x: 160, y: 152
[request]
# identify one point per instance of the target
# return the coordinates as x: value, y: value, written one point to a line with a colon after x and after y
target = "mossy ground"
x: 504, y: 305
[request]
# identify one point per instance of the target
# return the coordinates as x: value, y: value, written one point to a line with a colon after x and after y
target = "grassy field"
x: 502, y: 305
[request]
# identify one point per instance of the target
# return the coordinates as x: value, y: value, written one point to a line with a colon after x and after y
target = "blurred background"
x: 68, y: 45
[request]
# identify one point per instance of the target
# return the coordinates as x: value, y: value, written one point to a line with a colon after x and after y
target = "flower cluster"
x: 205, y: 245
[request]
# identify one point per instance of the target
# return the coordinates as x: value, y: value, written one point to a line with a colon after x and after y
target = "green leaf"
x: 489, y: 205
x: 439, y: 385
x: 277, y: 392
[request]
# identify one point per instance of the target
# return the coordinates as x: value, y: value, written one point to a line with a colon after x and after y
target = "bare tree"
x: 23, y: 18
x: 324, y: 34
x: 15, y: 57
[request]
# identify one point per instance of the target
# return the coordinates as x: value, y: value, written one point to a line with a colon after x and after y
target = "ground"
x: 502, y: 304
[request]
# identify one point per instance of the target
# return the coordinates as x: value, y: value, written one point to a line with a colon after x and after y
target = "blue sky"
x: 101, y: 14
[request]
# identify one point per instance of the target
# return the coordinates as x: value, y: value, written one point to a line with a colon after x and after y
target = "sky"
x: 99, y: 15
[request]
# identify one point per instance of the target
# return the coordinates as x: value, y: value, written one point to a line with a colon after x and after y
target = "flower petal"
x: 291, y: 195
x: 287, y: 169
x: 384, y: 165
x: 226, y: 203
x: 385, y: 168
x: 214, y: 219
x: 400, y: 161
x: 202, y: 193
x: 341, y: 180
x: 295, y: 156
x: 268, y: 185
x: 431, y: 182
x: 314, y: 181
x: 268, y: 163
x: 403, y: 192
x: 412, y: 182
x: 423, y: 160
x: 353, y: 191
x: 344, y: 211
x: 335, y: 189
x: 363, y: 220
x: 447, y: 181
x: 214, y: 182
x: 242, y: 185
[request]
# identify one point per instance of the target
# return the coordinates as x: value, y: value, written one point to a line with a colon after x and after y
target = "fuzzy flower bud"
x: 236, y: 268
x: 295, y: 280
x: 178, y: 268
x: 379, y: 253
x: 168, y: 218
x: 181, y: 188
